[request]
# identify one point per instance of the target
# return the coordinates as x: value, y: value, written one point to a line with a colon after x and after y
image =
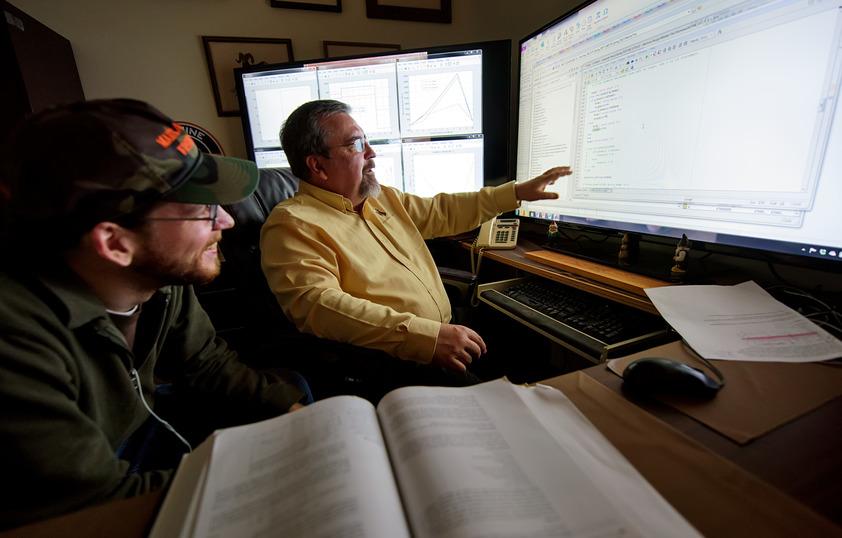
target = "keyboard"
x: 591, y: 324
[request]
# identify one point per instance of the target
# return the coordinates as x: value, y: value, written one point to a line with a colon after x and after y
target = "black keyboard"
x: 586, y: 321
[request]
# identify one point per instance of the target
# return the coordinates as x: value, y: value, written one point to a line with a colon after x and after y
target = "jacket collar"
x: 80, y: 305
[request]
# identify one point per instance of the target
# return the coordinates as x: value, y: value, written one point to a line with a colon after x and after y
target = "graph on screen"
x: 371, y: 110
x: 443, y: 166
x: 441, y: 102
x: 441, y: 97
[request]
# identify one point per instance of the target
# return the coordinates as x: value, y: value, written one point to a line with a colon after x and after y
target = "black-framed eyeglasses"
x: 213, y: 212
x: 358, y: 143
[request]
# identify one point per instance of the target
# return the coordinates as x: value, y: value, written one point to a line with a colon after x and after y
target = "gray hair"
x: 303, y: 133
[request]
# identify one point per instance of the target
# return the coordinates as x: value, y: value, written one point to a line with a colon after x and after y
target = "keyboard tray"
x: 595, y: 328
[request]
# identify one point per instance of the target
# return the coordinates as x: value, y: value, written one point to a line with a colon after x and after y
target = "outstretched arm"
x: 534, y: 189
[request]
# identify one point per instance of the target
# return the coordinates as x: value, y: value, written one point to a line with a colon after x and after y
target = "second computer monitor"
x: 436, y: 117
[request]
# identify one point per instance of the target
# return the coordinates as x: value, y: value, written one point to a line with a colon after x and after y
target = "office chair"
x: 330, y: 367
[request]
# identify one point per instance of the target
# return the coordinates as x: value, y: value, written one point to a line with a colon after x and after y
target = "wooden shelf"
x: 617, y: 278
x: 614, y: 284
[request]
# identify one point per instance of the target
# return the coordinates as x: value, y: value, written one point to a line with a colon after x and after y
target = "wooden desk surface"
x: 129, y: 518
x: 801, y: 458
x: 720, y: 496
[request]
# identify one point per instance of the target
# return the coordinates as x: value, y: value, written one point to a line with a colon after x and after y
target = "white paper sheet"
x: 742, y: 322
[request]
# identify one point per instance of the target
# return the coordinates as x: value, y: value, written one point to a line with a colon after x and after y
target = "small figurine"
x: 629, y: 249
x: 680, y: 257
x: 552, y: 234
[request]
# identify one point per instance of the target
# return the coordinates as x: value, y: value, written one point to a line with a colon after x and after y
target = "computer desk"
x: 795, y: 469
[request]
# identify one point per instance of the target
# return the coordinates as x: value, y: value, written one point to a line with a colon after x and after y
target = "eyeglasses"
x: 358, y: 143
x: 213, y: 211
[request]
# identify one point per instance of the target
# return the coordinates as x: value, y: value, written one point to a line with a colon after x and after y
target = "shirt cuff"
x: 420, y: 343
x: 506, y: 198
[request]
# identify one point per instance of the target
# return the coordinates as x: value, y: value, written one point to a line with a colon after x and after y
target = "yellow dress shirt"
x: 368, y: 278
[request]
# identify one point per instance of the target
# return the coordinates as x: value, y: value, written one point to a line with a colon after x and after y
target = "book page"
x: 631, y: 495
x: 476, y: 462
x: 319, y: 471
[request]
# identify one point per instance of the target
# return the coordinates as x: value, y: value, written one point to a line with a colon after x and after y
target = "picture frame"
x: 429, y: 10
x: 315, y: 5
x: 335, y: 49
x: 223, y: 54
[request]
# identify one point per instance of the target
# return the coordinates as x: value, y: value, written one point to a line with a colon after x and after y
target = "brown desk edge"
x: 613, y: 284
x: 128, y: 518
x: 618, y: 278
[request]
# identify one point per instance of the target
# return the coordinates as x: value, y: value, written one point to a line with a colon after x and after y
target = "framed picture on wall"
x: 317, y: 5
x: 409, y: 10
x: 223, y: 54
x: 334, y: 49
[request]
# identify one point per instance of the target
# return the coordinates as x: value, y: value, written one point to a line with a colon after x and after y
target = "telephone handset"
x: 498, y: 233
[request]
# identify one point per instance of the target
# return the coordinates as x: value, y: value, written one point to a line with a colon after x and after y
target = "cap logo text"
x: 166, y: 139
x: 186, y: 145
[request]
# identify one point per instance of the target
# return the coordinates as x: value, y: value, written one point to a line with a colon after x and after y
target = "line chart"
x: 441, y: 101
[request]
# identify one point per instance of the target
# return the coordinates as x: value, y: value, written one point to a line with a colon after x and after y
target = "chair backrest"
x: 330, y: 367
x: 275, y: 186
x: 240, y: 245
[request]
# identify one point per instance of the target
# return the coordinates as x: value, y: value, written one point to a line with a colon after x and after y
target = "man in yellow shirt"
x: 346, y: 258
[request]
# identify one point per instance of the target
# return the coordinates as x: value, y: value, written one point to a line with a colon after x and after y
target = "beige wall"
x: 152, y: 49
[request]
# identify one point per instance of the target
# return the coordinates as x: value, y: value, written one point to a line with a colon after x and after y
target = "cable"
x: 475, y: 270
x: 707, y: 363
x: 829, y: 317
x: 164, y: 423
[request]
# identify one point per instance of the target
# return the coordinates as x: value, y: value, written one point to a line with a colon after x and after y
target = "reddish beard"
x: 166, y: 268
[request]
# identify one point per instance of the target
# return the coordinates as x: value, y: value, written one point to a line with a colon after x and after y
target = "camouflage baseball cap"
x: 104, y: 159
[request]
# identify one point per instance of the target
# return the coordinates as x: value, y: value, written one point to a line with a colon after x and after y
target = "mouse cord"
x: 707, y: 363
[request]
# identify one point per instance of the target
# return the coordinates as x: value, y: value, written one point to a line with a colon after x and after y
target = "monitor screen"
x: 718, y: 119
x: 432, y: 115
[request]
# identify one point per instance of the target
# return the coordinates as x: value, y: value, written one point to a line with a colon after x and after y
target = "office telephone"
x: 498, y: 234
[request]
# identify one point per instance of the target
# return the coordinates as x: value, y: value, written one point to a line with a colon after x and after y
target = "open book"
x: 490, y: 460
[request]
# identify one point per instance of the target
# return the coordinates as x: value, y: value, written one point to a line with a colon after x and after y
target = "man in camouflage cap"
x: 110, y: 215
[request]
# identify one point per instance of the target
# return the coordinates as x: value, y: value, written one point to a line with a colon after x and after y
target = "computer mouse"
x: 658, y: 375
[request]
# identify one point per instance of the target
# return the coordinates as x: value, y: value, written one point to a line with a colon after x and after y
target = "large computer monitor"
x: 436, y: 117
x: 718, y: 119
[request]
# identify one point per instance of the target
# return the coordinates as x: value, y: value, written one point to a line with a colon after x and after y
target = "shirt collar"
x: 336, y: 201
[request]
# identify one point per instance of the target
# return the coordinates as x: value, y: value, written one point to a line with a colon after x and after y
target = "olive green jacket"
x: 67, y: 400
